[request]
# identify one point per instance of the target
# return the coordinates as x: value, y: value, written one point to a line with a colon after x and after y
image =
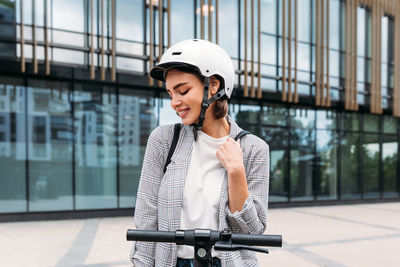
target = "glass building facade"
x: 77, y: 105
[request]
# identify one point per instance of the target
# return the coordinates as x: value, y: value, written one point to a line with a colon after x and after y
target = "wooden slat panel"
x: 102, y: 69
x: 160, y: 33
x: 289, y: 88
x: 317, y: 53
x: 373, y: 63
x: 379, y: 58
x: 296, y: 95
x: 252, y: 91
x: 160, y: 29
x: 209, y: 20
x: 245, y: 88
x: 396, y: 98
x: 284, y: 96
x: 395, y: 77
x: 216, y: 21
x: 354, y: 61
x: 201, y: 19
x: 34, y: 40
x: 322, y: 53
x: 151, y: 46
x: 328, y: 97
x: 378, y: 83
x: 352, y: 37
x: 113, y: 46
x: 91, y: 47
x: 347, y: 75
x: 46, y: 40
x: 259, y: 93
x: 22, y: 38
x: 169, y: 22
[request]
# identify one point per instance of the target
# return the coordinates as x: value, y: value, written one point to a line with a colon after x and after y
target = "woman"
x: 212, y: 181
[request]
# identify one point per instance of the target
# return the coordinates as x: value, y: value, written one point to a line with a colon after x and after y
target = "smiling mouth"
x: 182, y: 113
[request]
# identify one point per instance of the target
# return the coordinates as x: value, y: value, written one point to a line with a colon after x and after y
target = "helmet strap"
x: 205, y: 104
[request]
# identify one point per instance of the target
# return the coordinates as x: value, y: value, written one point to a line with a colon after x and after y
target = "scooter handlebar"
x: 179, y: 237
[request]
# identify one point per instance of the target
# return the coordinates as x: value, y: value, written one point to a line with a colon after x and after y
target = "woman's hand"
x: 230, y: 155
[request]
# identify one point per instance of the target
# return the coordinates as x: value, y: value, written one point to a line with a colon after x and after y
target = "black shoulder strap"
x: 241, y: 134
x: 177, y: 129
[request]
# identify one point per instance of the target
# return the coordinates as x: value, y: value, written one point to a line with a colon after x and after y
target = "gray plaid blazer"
x: 159, y: 198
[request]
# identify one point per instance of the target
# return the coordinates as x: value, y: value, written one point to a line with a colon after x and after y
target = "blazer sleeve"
x: 146, y: 209
x: 252, y: 219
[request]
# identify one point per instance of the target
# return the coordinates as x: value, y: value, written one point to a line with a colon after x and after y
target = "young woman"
x: 212, y: 181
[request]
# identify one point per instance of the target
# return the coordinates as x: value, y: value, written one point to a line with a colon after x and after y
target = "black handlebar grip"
x: 150, y: 236
x: 257, y: 240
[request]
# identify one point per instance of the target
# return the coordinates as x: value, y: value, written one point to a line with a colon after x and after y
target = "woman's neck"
x: 216, y: 127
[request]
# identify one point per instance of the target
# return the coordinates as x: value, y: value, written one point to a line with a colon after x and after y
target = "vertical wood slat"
x: 284, y: 96
x: 113, y: 46
x: 296, y: 96
x: 378, y: 63
x: 23, y: 65
x: 378, y: 53
x: 160, y: 33
x: 396, y: 98
x: 328, y: 95
x: 252, y: 91
x: 91, y: 42
x: 322, y: 53
x: 259, y: 93
x: 375, y: 59
x: 373, y: 63
x: 397, y: 73
x: 209, y: 21
x: 169, y: 22
x: 46, y: 40
x: 151, y: 59
x: 34, y: 39
x: 245, y: 89
x: 347, y: 53
x: 354, y: 61
x: 396, y: 63
x: 216, y: 21
x: 351, y: 57
x: 201, y: 20
x: 289, y: 88
x: 381, y: 13
x: 317, y: 53
x: 102, y: 69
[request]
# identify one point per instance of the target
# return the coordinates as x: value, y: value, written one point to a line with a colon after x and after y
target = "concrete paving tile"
x: 368, y: 253
x: 282, y: 258
x: 373, y: 215
x: 37, y: 243
x: 298, y: 227
x: 110, y: 243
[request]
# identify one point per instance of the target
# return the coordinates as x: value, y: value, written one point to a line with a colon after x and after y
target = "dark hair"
x: 220, y: 107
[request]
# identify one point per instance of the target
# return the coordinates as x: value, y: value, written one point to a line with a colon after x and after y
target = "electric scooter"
x: 204, y: 239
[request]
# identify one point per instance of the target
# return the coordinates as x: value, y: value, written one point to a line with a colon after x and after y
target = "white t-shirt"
x: 202, y: 189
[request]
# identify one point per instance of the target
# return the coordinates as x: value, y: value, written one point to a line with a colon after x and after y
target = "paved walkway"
x: 348, y: 235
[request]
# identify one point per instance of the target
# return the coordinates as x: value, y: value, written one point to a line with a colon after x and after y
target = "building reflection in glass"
x: 50, y: 135
x: 12, y: 147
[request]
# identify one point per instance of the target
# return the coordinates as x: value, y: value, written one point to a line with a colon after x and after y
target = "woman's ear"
x: 214, y: 85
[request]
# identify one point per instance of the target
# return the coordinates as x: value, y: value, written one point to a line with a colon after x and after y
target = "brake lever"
x: 228, y: 246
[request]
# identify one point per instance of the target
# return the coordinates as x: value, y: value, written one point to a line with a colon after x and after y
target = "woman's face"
x: 186, y: 92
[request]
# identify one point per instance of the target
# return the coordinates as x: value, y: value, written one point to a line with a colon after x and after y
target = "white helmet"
x: 207, y: 58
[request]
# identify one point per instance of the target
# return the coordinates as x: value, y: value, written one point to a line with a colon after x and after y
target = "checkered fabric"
x: 159, y: 198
